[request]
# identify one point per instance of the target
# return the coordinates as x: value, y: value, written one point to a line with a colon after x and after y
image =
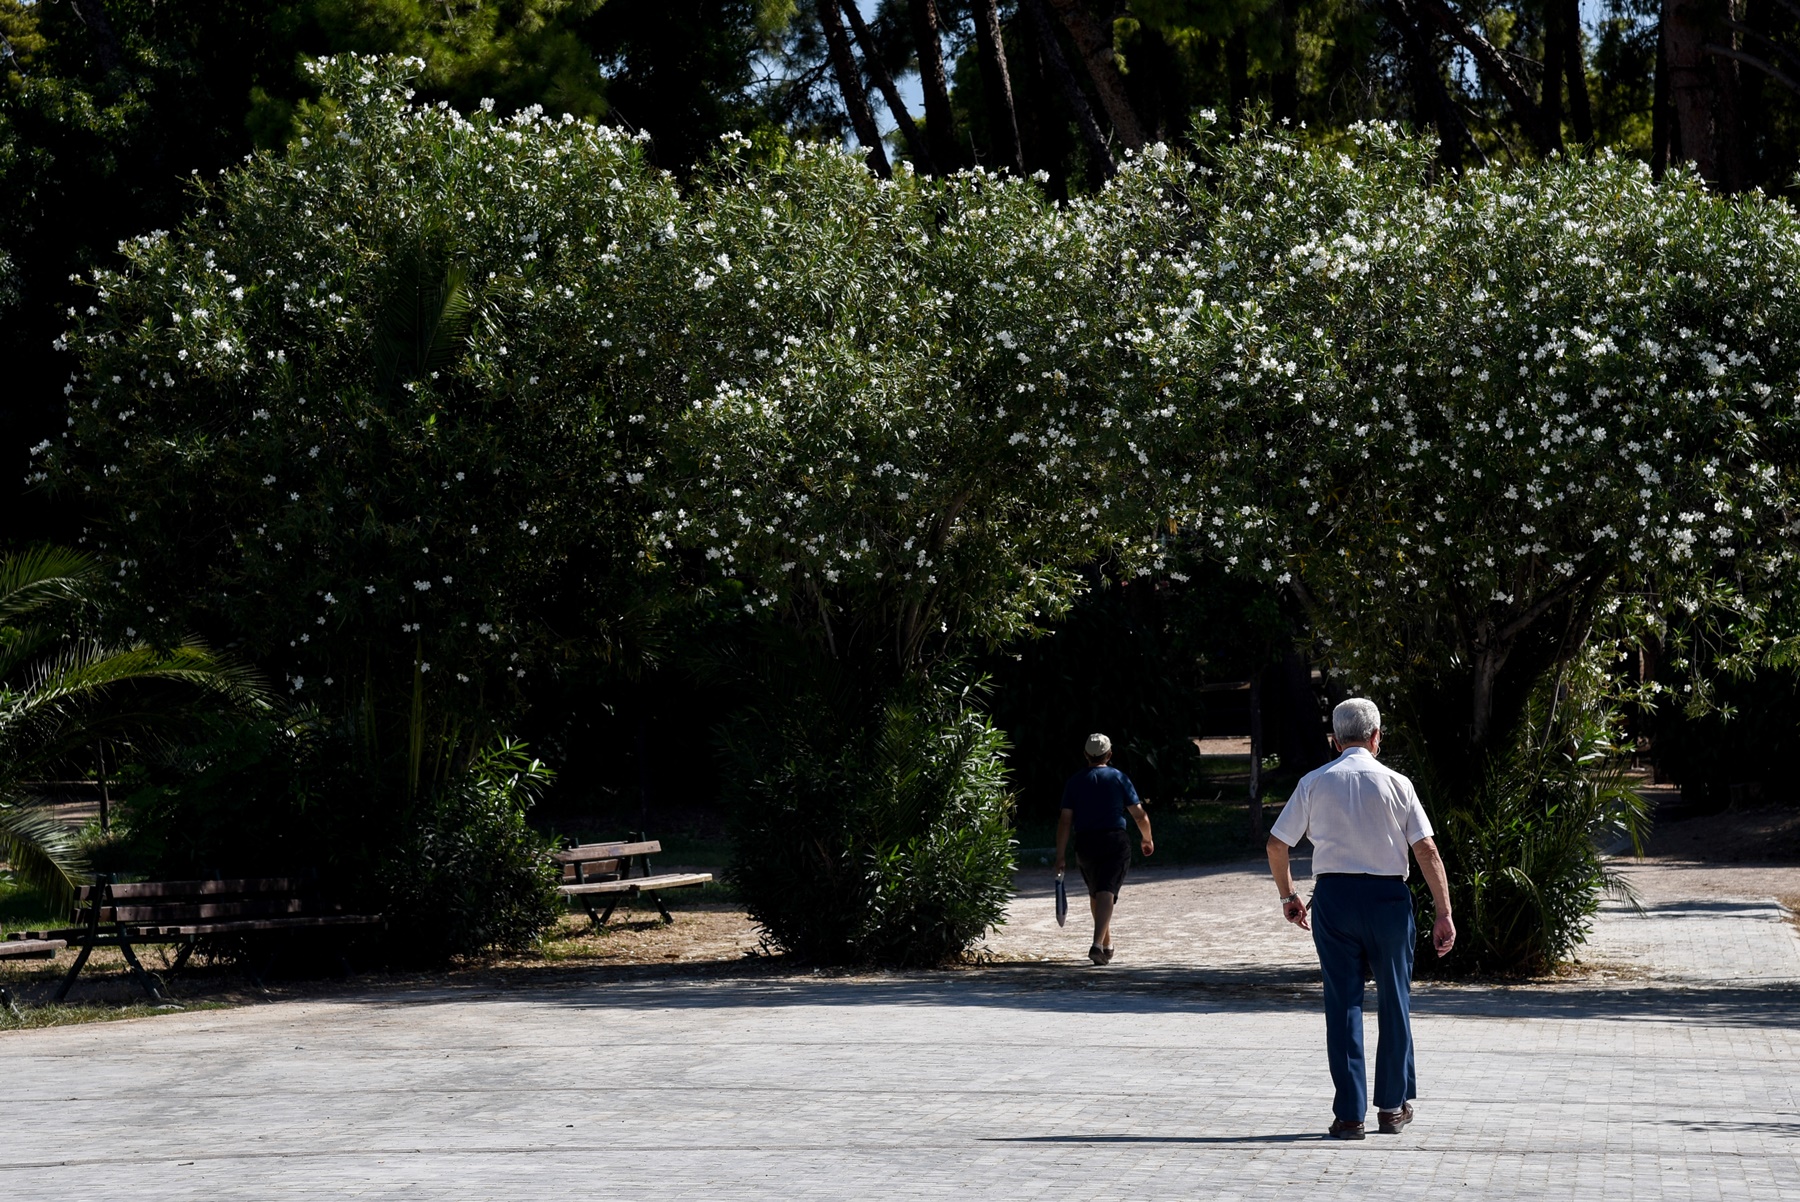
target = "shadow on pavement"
x: 1310, y: 1137
x: 1703, y: 909
x: 1748, y: 1126
x: 1744, y: 1006
x: 1072, y: 989
x: 1034, y: 881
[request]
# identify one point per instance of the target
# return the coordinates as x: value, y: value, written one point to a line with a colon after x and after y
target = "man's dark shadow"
x: 1306, y: 1138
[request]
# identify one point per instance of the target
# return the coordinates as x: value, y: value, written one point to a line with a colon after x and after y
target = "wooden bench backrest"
x: 134, y: 890
x: 161, y: 903
x: 589, y: 852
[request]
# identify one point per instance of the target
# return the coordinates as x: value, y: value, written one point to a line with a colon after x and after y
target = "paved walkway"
x: 1691, y: 925
x: 1168, y: 1076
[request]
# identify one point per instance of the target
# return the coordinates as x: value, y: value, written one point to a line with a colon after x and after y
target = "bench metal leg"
x: 612, y: 902
x: 601, y: 918
x: 181, y: 957
x: 68, y: 981
x: 657, y: 898
x: 144, y: 977
x: 257, y: 973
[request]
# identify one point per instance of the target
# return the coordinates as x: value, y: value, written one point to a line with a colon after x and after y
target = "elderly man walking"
x: 1362, y: 816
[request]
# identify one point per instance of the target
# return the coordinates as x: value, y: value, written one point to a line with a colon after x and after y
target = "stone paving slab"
x: 988, y: 1084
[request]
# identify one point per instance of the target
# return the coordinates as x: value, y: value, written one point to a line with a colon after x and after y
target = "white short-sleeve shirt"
x: 1361, y: 816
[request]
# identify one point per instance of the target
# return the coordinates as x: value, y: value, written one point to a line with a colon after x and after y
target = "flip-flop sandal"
x: 1097, y: 954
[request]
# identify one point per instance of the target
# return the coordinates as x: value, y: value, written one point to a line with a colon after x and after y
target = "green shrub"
x: 470, y: 873
x: 1525, y: 846
x: 872, y: 833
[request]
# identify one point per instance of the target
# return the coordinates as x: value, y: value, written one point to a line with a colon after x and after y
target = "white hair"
x: 1355, y: 720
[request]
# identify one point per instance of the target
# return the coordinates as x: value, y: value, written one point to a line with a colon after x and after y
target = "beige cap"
x: 1097, y: 746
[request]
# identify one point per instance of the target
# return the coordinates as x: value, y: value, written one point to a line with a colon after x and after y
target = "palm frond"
x: 87, y: 691
x: 41, y: 576
x: 41, y: 851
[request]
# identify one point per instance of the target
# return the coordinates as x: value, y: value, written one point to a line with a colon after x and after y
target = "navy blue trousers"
x: 1358, y: 920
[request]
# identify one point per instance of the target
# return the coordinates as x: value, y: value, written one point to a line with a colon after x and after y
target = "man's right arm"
x: 1443, y: 931
x: 1292, y: 908
x: 1063, y: 825
x: 1288, y: 830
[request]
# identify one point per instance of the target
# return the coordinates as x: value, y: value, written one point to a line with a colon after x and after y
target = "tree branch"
x: 1775, y: 73
x: 1494, y: 65
x: 915, y: 144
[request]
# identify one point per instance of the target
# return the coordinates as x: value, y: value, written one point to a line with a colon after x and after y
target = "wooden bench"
x: 26, y: 949
x: 124, y: 915
x: 596, y: 870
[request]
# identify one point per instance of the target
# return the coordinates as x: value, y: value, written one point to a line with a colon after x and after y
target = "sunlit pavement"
x: 1178, y: 1080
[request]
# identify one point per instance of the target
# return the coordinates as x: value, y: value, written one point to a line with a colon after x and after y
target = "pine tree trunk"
x: 1706, y: 130
x: 1431, y: 100
x: 1096, y: 48
x: 1058, y: 69
x: 1581, y: 109
x: 1550, y: 99
x: 1003, y: 123
x: 92, y: 14
x: 940, y: 122
x: 1660, y: 116
x: 1284, y: 89
x: 1237, y: 76
x: 856, y: 99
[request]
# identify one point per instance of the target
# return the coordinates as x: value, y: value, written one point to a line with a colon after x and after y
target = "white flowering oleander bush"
x: 372, y: 411
x: 1468, y: 421
x: 913, y: 413
x: 916, y: 413
x: 1481, y: 427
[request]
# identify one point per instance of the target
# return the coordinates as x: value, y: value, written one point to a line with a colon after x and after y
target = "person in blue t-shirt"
x: 1094, y: 805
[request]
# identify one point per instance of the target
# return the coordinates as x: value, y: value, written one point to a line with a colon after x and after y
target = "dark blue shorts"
x: 1103, y: 857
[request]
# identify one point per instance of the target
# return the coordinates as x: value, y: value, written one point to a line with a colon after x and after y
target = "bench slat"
x: 607, y: 851
x: 30, y: 949
x: 149, y: 889
x: 150, y: 933
x: 67, y: 934
x: 168, y: 912
x: 592, y: 868
x: 673, y: 880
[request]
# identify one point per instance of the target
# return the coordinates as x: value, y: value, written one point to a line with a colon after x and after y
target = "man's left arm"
x: 1142, y: 817
x: 1443, y: 931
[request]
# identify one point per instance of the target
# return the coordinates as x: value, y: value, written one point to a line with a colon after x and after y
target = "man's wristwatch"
x: 1292, y: 897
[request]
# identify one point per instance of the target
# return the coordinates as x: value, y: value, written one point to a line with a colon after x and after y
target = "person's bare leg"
x: 1103, y: 904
